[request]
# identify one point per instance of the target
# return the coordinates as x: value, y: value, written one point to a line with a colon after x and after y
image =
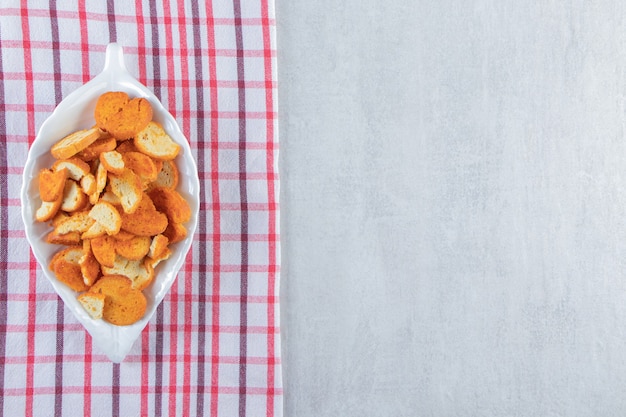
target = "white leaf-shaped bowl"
x: 76, y: 112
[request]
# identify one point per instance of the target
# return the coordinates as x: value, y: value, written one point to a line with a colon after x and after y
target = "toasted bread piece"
x: 51, y: 184
x: 175, y: 232
x: 107, y: 215
x: 159, y: 163
x: 68, y: 239
x: 170, y: 202
x: 155, y: 142
x: 94, y: 198
x: 77, y: 222
x: 123, y: 305
x: 128, y: 188
x: 139, y: 272
x: 65, y: 266
x: 112, y: 161
x: 71, y: 254
x: 145, y: 277
x: 94, y: 231
x: 74, y: 143
x: 126, y: 146
x: 133, y: 117
x: 158, y: 245
x: 109, y: 197
x: 142, y: 165
x: 146, y: 220
x: 76, y: 168
x: 59, y: 218
x: 103, y: 249
x: 93, y: 303
x: 74, y: 198
x: 101, y: 178
x: 88, y: 184
x: 108, y: 104
x: 159, y: 258
x: 89, y: 266
x: 167, y: 176
x: 123, y: 235
x: 134, y: 249
x: 48, y: 210
x: 104, y: 144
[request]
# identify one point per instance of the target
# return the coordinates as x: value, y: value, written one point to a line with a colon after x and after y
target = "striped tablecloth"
x: 213, y: 346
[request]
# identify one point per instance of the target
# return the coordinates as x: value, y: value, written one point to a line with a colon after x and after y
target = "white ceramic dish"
x: 76, y: 112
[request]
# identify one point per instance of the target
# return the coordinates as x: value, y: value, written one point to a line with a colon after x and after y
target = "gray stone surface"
x: 453, y: 205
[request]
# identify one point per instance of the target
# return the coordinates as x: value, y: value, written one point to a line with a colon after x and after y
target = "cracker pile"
x: 111, y: 200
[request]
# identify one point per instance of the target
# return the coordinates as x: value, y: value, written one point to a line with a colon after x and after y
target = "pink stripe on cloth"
x: 213, y: 346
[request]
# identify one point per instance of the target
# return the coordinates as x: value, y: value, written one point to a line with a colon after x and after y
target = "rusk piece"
x: 123, y: 305
x: 103, y: 249
x: 66, y: 268
x: 74, y: 198
x: 108, y: 104
x: 155, y: 142
x: 93, y: 303
x: 167, y: 176
x: 139, y: 272
x: 128, y: 188
x: 134, y: 249
x: 146, y: 220
x: 77, y: 222
x: 93, y: 151
x: 112, y: 161
x: 48, y: 210
x: 74, y: 143
x: 89, y: 266
x: 76, y: 168
x: 107, y: 215
x: 133, y: 117
x: 51, y: 184
x: 170, y: 202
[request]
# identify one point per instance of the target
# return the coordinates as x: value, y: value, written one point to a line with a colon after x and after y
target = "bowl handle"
x: 114, y: 60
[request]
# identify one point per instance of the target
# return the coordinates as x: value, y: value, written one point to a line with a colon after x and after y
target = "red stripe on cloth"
x: 259, y: 176
x: 202, y: 268
x: 188, y: 332
x: 87, y: 380
x: 215, y: 198
x: 159, y: 361
x: 32, y: 276
x: 227, y: 53
x: 171, y: 104
x: 84, y: 41
x: 186, y: 84
x: 124, y: 390
x: 145, y: 361
x: 46, y: 359
x: 251, y: 21
x: 187, y: 274
x: 271, y: 307
x: 17, y: 107
x: 166, y: 327
x: 141, y: 42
